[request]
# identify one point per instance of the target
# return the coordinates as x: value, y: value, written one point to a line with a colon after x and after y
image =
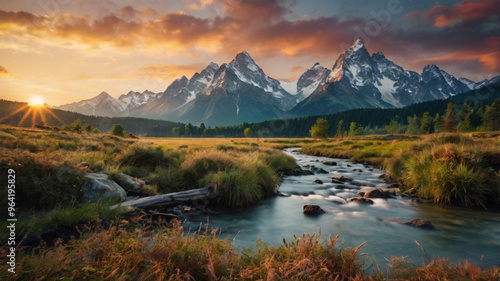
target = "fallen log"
x: 176, y: 197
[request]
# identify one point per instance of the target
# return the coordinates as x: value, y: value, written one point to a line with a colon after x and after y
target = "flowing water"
x: 459, y: 234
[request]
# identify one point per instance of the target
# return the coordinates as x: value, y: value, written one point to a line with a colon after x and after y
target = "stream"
x: 459, y: 234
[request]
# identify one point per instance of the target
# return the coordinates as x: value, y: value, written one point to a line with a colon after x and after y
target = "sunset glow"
x: 36, y: 101
x: 76, y: 49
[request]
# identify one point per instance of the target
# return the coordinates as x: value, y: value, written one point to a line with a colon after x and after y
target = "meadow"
x: 108, y: 244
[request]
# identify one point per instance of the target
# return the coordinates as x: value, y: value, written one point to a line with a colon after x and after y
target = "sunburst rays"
x: 33, y: 111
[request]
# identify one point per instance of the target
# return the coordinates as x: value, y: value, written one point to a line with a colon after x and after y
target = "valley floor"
x: 112, y: 244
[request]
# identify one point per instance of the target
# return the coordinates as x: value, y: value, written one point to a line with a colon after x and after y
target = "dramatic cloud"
x: 257, y: 10
x: 461, y: 38
x: 465, y: 13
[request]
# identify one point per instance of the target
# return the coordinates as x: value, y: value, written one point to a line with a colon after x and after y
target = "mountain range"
x: 240, y: 91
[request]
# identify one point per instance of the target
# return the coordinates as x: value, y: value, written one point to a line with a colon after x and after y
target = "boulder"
x: 129, y: 183
x: 321, y: 171
x: 360, y: 194
x: 318, y: 181
x: 420, y: 223
x: 98, y: 187
x: 361, y: 200
x: 330, y: 163
x: 341, y: 180
x: 313, y: 210
x: 376, y: 193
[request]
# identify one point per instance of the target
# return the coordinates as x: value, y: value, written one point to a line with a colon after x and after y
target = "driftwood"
x: 177, y: 197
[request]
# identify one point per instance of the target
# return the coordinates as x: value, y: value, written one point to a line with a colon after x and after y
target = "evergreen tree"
x: 188, y: 130
x: 448, y: 124
x: 465, y: 124
x: 393, y: 127
x: 176, y: 131
x: 76, y: 125
x: 491, y: 119
x: 436, y: 121
x: 320, y: 129
x: 413, y: 125
x: 354, y: 129
x: 425, y: 124
x: 339, y: 129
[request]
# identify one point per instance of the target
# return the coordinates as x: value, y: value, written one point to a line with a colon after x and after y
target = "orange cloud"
x: 255, y: 10
x: 467, y: 11
x: 491, y: 61
x: 202, y: 4
x: 179, y: 31
x: 3, y: 71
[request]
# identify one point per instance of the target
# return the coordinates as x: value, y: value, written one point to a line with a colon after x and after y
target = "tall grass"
x: 166, y: 252
x: 450, y: 170
x: 445, y: 168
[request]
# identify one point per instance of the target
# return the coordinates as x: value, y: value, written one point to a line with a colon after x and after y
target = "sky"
x: 64, y: 51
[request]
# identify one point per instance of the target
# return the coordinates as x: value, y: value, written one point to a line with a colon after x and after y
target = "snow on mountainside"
x: 101, y: 105
x: 476, y: 85
x: 307, y: 83
x: 177, y: 94
x: 240, y: 91
x: 359, y: 79
x: 247, y: 71
x: 135, y: 99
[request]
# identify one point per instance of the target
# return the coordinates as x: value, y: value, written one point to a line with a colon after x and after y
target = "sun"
x: 36, y: 101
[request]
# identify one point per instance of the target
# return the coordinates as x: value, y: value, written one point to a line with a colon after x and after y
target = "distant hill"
x: 12, y: 113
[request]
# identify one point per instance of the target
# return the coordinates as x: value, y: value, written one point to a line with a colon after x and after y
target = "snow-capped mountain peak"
x: 101, y: 105
x: 135, y: 99
x: 357, y: 48
x: 307, y: 83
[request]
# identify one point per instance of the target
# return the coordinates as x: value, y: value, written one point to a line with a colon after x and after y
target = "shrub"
x: 118, y: 130
x: 236, y: 187
x: 138, y: 156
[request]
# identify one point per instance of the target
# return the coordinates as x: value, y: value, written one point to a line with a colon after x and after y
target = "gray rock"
x: 318, y: 181
x: 420, y: 223
x: 321, y: 171
x: 99, y: 187
x: 361, y: 200
x: 376, y: 193
x: 313, y: 210
x: 129, y: 183
x: 341, y: 180
x: 330, y: 163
